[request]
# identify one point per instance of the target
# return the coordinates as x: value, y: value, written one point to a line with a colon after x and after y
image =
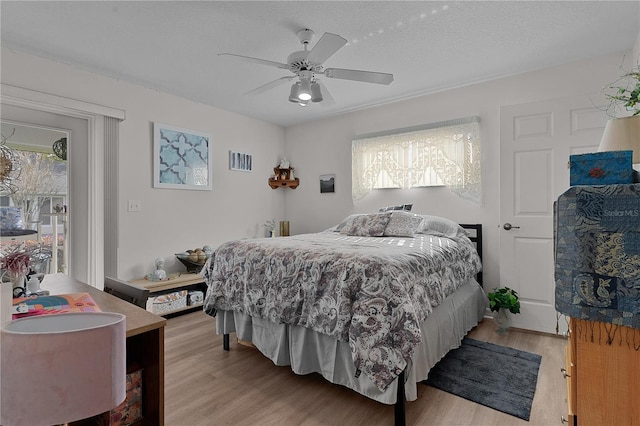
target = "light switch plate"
x: 135, y: 206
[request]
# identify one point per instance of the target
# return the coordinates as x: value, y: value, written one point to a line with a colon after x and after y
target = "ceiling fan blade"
x: 356, y: 75
x: 257, y: 60
x: 270, y: 85
x: 325, y: 48
x: 327, y: 99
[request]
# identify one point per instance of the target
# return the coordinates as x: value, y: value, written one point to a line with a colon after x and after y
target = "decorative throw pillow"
x: 403, y: 224
x: 343, y: 226
x: 406, y: 207
x: 369, y: 225
x: 436, y: 225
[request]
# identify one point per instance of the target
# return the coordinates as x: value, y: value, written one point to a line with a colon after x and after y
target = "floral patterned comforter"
x: 373, y: 292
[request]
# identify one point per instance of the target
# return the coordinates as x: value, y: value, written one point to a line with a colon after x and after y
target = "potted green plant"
x: 504, y: 301
x: 625, y: 93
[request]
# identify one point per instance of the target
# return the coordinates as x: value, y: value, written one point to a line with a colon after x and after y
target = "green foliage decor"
x: 624, y: 92
x: 504, y: 298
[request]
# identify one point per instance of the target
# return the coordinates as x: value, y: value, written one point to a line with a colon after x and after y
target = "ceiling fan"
x: 306, y: 65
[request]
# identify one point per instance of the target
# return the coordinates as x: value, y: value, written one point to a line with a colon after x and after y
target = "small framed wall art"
x: 327, y: 183
x: 240, y: 161
x: 182, y: 158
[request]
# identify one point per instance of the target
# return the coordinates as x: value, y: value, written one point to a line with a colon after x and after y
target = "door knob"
x: 507, y: 226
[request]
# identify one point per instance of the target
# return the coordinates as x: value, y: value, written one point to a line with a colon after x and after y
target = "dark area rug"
x: 492, y: 375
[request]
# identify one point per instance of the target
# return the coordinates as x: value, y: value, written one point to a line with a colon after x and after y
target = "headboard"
x: 476, y: 237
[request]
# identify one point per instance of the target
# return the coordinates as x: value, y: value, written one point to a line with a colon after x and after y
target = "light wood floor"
x: 206, y: 386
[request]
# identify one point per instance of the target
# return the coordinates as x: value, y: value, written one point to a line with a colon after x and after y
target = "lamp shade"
x: 622, y: 134
x: 304, y: 93
x: 62, y: 368
x: 316, y: 93
x: 293, y: 96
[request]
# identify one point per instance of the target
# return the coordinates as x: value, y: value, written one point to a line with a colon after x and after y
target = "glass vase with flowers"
x: 17, y: 266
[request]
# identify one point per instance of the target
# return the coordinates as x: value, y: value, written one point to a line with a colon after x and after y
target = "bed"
x: 370, y: 304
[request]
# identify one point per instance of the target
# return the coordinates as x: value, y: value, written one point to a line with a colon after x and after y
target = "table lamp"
x: 62, y: 368
x: 623, y: 134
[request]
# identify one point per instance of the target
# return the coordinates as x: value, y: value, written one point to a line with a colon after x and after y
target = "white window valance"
x: 445, y: 153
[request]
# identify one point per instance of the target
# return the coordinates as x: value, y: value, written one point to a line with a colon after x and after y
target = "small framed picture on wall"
x: 327, y: 183
x: 240, y: 161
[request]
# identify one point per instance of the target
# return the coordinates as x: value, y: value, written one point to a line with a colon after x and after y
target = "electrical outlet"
x: 135, y: 206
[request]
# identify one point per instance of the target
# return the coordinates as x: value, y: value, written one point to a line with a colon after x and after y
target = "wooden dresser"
x: 145, y: 341
x: 603, y: 374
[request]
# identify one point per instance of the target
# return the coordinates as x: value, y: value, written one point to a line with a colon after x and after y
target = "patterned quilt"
x: 373, y: 292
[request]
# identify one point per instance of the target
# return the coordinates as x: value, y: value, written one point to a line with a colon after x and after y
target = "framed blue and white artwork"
x: 182, y: 158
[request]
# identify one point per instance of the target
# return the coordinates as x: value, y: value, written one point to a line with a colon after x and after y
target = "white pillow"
x: 436, y: 225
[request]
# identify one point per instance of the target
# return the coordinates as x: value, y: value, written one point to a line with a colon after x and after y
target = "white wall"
x: 324, y: 147
x: 174, y: 220
x: 171, y: 221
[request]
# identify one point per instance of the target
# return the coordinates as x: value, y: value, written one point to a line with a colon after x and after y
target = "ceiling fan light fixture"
x: 316, y: 93
x: 303, y: 103
x: 293, y: 96
x: 304, y: 92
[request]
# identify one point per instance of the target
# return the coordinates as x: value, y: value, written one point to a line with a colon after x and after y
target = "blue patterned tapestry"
x: 597, y: 268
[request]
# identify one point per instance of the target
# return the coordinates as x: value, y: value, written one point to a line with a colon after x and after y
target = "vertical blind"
x: 444, y: 153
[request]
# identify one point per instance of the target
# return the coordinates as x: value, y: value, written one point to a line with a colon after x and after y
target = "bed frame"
x: 399, y: 407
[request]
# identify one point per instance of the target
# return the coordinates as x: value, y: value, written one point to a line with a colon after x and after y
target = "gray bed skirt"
x: 309, y: 352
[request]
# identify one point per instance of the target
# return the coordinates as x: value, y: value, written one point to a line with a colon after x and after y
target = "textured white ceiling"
x: 173, y: 46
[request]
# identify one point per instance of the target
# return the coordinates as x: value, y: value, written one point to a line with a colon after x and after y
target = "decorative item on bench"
x: 194, y: 260
x: 196, y: 297
x: 601, y: 168
x: 166, y: 303
x: 159, y: 274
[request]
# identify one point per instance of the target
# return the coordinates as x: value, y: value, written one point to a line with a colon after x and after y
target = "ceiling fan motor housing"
x: 297, y: 62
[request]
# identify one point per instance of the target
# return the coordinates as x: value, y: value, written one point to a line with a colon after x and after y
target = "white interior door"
x: 535, y: 143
